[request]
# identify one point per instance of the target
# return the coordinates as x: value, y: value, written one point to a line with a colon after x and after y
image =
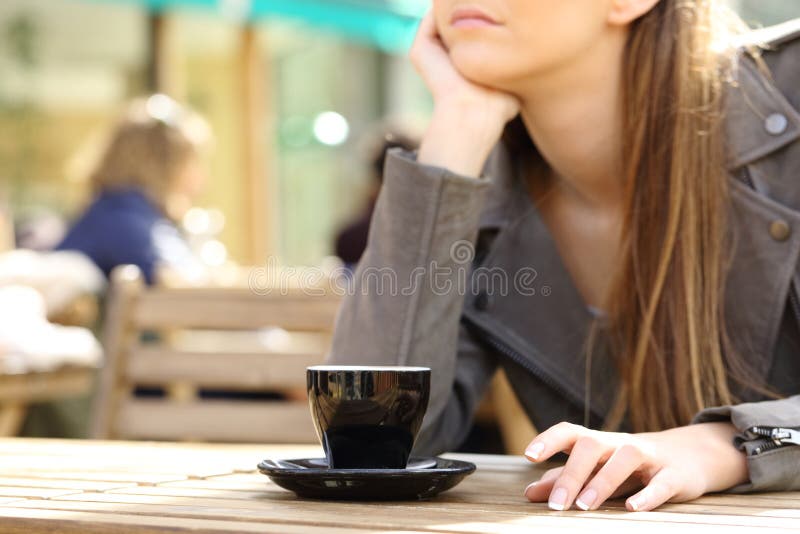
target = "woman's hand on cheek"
x: 468, y: 119
x: 675, y: 465
x: 447, y: 86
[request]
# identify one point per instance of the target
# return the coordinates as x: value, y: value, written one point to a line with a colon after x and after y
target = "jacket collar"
x: 755, y: 109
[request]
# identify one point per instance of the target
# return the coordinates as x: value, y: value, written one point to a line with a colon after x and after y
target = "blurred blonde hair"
x: 149, y: 147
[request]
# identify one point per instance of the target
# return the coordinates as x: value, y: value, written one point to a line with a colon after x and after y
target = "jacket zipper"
x: 772, y: 437
x: 515, y: 356
x: 794, y: 299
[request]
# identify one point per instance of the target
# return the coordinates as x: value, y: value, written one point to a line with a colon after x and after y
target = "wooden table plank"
x: 401, y: 518
x: 37, y: 493
x: 166, y: 491
x: 70, y: 484
x: 515, y: 508
x: 101, y: 465
x: 242, y: 482
x: 27, y: 521
x: 144, y: 479
x: 139, y: 498
x: 201, y: 459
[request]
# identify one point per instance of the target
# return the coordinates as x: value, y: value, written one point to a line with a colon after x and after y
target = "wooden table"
x: 115, y: 487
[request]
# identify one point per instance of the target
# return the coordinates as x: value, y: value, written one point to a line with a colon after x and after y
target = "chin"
x: 478, y: 64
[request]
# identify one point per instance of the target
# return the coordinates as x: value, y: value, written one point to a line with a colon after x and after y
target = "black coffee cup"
x: 368, y: 417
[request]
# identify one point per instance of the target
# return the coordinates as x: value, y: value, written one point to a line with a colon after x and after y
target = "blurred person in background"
x: 352, y: 239
x: 144, y: 182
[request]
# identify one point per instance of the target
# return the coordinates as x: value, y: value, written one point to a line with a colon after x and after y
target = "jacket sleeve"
x: 771, y: 468
x: 405, y: 302
x: 474, y: 368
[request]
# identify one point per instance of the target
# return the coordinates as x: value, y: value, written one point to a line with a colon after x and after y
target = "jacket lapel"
x: 753, y: 111
x: 543, y: 317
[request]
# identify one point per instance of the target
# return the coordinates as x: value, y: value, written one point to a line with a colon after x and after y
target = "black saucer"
x: 312, y: 478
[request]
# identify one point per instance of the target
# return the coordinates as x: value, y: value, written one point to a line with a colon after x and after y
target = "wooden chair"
x: 172, y: 314
x: 500, y: 408
x: 19, y: 390
x: 516, y: 429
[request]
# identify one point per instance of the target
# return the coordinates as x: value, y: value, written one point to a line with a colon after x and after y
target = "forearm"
x: 399, y: 312
x: 459, y: 139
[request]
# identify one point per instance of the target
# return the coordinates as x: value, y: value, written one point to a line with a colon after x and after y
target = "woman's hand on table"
x: 673, y: 465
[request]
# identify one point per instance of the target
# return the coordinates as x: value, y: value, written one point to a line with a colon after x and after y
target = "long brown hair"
x: 148, y: 147
x: 666, y: 303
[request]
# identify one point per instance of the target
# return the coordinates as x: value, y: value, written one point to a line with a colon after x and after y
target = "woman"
x: 145, y: 181
x: 627, y: 181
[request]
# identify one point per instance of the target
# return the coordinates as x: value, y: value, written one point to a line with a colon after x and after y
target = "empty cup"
x: 367, y: 417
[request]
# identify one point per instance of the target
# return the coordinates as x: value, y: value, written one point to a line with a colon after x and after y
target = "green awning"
x: 387, y: 24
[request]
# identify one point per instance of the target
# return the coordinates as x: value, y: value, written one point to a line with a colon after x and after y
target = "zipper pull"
x: 786, y: 435
x: 778, y: 436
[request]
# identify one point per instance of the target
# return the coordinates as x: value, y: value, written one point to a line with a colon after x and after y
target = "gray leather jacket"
x: 461, y: 275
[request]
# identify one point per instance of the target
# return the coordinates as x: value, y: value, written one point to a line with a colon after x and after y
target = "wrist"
x: 459, y: 141
x: 723, y: 464
x: 475, y: 123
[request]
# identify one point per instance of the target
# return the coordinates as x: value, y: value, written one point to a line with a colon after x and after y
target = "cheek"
x: 192, y: 180
x: 198, y: 182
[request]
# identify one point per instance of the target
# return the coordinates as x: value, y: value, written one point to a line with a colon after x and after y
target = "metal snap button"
x: 780, y: 230
x: 776, y: 123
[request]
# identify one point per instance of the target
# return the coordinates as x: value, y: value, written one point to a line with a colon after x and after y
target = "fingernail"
x: 586, y: 500
x: 637, y: 502
x: 558, y: 499
x: 529, y: 486
x: 534, y: 451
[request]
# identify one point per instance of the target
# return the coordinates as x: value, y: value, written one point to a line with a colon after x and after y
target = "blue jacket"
x: 125, y: 227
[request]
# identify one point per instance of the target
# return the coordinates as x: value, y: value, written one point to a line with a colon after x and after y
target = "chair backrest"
x: 516, y: 429
x: 186, y: 340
